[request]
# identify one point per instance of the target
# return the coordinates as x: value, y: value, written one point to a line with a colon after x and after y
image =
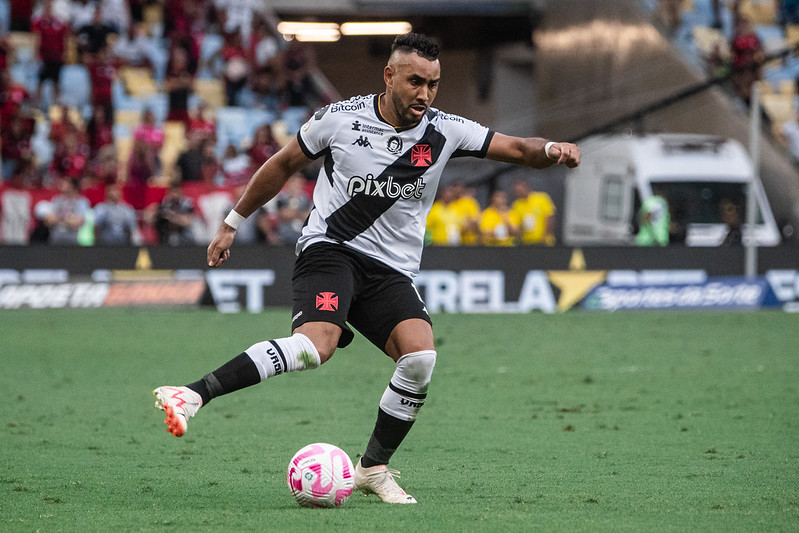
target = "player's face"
x: 411, y: 87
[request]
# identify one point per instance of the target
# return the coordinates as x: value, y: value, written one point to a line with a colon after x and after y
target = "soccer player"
x: 383, y: 157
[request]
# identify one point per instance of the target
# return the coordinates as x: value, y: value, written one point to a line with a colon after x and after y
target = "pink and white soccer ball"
x: 321, y: 475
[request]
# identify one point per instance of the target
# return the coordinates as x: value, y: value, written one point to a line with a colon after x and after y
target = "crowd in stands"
x: 747, y: 40
x: 127, y: 122
x: 139, y: 121
x: 457, y: 218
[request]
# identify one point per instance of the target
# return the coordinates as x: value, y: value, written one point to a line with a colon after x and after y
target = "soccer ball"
x: 321, y: 475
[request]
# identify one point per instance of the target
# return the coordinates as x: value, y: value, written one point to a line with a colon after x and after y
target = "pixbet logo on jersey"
x: 385, y: 189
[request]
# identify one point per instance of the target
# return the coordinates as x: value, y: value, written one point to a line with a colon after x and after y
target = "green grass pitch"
x: 572, y: 422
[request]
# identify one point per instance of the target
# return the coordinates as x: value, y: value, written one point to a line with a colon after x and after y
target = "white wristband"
x: 547, y: 146
x: 233, y: 219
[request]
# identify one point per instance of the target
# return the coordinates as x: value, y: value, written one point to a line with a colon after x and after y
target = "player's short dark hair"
x: 416, y: 42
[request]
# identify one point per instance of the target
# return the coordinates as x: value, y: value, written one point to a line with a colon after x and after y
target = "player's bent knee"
x: 417, y: 368
x: 407, y: 391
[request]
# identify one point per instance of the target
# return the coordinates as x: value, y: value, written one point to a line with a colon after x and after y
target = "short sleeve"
x: 315, y: 135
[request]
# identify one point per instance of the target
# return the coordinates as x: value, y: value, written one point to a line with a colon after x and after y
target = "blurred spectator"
x: 149, y: 132
x: 264, y: 145
x: 15, y: 211
x: 53, y: 35
x: 179, y: 82
x: 116, y: 14
x: 95, y: 36
x: 237, y: 67
x: 16, y: 143
x: 498, y: 226
x: 264, y: 48
x: 102, y: 71
x: 200, y: 124
x: 443, y: 223
x: 189, y: 162
x: 135, y: 48
x: 263, y: 92
x: 235, y: 166
x: 6, y: 51
x: 237, y: 15
x: 114, y: 220
x: 788, y: 12
x: 468, y: 210
x: 175, y: 19
x: 21, y: 15
x: 293, y: 208
x: 14, y: 98
x: 105, y: 165
x: 81, y: 13
x: 71, y: 156
x: 99, y: 130
x: 174, y: 218
x: 43, y: 217
x: 300, y: 89
x: 69, y: 210
x: 747, y: 57
x: 654, y: 220
x: 210, y: 167
x: 61, y: 123
x: 536, y: 213
x: 731, y: 216
x: 141, y: 167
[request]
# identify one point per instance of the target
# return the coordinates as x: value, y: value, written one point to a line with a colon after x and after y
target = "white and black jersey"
x: 377, y: 184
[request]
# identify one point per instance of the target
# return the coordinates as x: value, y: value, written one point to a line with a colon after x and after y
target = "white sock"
x: 407, y: 390
x: 289, y: 354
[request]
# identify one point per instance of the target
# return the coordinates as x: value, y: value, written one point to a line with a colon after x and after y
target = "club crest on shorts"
x: 327, y: 301
x: 421, y: 155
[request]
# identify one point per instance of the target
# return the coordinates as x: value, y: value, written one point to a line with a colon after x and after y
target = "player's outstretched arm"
x: 262, y: 187
x: 533, y: 151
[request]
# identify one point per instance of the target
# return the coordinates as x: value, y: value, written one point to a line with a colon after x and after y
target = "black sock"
x: 238, y: 373
x: 389, y: 432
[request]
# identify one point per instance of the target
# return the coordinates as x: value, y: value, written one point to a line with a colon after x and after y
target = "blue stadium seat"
x: 236, y: 125
x: 210, y: 45
x: 5, y: 16
x: 76, y: 86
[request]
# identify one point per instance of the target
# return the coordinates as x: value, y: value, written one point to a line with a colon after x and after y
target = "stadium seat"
x: 236, y: 125
x: 24, y: 45
x: 138, y: 82
x: 211, y: 91
x: 760, y: 11
x: 75, y: 86
x: 779, y: 107
x: 210, y: 61
x: 5, y: 16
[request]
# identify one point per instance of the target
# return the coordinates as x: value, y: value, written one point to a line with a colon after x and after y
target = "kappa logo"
x: 327, y: 301
x: 421, y: 155
x: 362, y: 141
x: 394, y: 144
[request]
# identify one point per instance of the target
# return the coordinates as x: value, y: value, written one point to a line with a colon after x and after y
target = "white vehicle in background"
x: 703, y: 178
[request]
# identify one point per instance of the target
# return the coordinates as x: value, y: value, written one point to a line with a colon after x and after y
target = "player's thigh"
x: 386, y: 306
x: 323, y: 288
x: 409, y: 336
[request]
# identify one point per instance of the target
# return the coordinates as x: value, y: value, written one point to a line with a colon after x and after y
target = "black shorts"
x: 335, y: 284
x: 50, y: 70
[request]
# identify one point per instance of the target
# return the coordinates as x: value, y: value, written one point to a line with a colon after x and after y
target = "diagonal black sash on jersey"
x: 362, y: 210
